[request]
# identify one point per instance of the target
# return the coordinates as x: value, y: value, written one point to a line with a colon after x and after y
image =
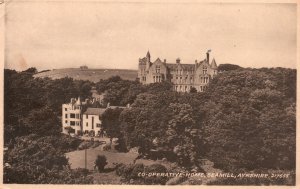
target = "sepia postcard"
x: 132, y: 93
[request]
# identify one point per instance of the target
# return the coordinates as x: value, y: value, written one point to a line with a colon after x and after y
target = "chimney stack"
x: 178, y: 60
x: 165, y: 60
x: 207, y: 56
x: 196, y: 61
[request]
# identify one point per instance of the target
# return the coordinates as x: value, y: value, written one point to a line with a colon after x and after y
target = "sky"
x: 68, y: 34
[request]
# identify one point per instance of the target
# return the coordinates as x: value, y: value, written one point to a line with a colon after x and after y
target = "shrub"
x: 106, y: 147
x: 85, y: 145
x: 156, y: 168
x: 124, y: 170
x: 101, y: 162
x: 96, y: 144
x: 121, y: 146
x: 136, y: 169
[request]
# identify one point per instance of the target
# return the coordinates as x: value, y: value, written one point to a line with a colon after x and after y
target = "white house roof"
x: 94, y: 111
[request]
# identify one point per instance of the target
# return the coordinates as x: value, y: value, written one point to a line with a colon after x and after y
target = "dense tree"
x: 36, y: 160
x: 111, y: 123
x: 84, y: 88
x: 42, y: 122
x: 228, y: 67
x: 31, y: 70
x: 246, y: 117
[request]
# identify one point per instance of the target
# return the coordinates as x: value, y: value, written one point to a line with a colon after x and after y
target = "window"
x: 66, y: 109
x: 66, y: 115
x: 204, y: 70
x: 86, y: 116
x: 87, y: 124
x: 99, y: 117
x: 154, y: 79
x: 66, y: 121
x: 72, y: 115
x: 205, y: 79
x: 77, y: 123
x: 157, y: 69
x: 77, y: 116
x: 72, y: 123
x: 98, y: 125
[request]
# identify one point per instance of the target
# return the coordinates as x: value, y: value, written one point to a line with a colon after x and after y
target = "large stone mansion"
x: 183, y: 76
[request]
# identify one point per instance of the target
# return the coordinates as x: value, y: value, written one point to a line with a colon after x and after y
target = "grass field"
x: 93, y: 75
x: 77, y: 158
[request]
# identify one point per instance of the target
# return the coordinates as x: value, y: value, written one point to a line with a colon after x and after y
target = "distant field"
x: 93, y: 75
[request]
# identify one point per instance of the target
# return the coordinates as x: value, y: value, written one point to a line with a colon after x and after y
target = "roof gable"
x: 157, y: 61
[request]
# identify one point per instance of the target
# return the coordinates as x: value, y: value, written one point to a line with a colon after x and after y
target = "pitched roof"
x: 188, y: 66
x: 214, y: 64
x: 173, y: 66
x: 94, y: 111
x: 157, y: 60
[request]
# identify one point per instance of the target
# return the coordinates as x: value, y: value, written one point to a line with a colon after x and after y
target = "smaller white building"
x: 91, y: 120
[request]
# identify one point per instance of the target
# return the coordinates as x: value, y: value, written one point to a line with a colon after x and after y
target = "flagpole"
x: 85, y: 159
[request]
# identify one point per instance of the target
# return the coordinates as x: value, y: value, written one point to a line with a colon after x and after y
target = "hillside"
x: 93, y: 75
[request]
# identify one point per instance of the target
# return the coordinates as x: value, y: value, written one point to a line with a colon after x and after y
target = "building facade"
x: 71, y: 115
x: 82, y: 118
x: 91, y: 120
x: 183, y: 76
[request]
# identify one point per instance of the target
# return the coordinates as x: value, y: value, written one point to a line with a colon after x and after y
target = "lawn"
x: 77, y: 158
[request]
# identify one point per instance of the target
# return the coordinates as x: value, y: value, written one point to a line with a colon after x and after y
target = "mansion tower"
x: 183, y: 76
